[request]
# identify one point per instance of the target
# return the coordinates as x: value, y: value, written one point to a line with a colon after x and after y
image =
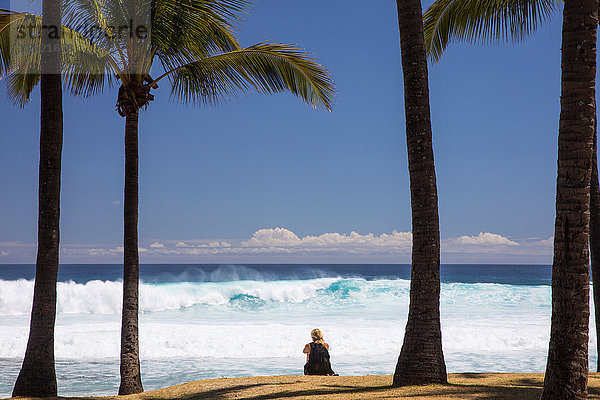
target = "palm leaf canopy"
x: 485, y: 21
x: 193, y: 41
x: 20, y: 49
x: 264, y: 67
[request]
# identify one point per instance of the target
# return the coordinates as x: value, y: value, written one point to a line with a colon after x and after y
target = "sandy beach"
x: 460, y: 386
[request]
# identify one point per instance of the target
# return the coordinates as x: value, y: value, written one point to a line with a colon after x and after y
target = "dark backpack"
x: 318, y: 361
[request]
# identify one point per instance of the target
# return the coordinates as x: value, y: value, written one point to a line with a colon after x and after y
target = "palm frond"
x: 101, y: 21
x: 20, y: 53
x: 194, y: 42
x: 19, y: 86
x: 87, y: 17
x: 12, y: 25
x: 186, y: 30
x: 85, y: 66
x: 486, y: 21
x: 264, y: 67
x: 180, y: 31
x: 229, y: 10
x: 6, y: 18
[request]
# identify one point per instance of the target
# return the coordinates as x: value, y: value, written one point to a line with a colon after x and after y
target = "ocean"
x: 211, y: 321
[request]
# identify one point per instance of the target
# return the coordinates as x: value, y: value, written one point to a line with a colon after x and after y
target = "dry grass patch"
x: 460, y: 386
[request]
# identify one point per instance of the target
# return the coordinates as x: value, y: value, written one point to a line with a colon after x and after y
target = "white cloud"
x: 273, y: 237
x: 484, y: 239
x: 116, y: 202
x: 16, y: 244
x: 281, y: 237
x: 395, y: 239
x: 91, y: 251
x: 283, y: 245
x: 546, y: 242
x: 494, y: 248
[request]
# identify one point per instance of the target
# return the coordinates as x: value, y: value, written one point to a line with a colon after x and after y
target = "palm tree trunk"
x: 37, y: 377
x: 595, y: 239
x: 421, y: 359
x: 131, y: 381
x: 567, y: 367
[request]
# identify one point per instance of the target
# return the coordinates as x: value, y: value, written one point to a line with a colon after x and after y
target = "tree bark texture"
x: 595, y: 238
x: 421, y: 358
x: 131, y: 381
x: 567, y: 366
x: 37, y: 377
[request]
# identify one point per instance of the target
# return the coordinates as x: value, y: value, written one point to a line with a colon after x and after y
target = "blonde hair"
x: 317, y: 336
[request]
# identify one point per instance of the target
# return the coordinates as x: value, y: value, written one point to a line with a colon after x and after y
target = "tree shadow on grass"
x: 325, y: 390
x: 522, y: 391
x: 380, y: 392
x: 468, y: 386
x: 480, y: 392
x: 213, y: 394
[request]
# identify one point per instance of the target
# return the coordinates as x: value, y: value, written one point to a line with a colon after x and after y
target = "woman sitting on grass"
x: 317, y: 356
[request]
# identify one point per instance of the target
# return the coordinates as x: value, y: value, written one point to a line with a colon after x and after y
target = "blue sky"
x: 257, y: 178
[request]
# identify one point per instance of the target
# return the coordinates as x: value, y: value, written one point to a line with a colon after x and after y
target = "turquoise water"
x: 208, y: 321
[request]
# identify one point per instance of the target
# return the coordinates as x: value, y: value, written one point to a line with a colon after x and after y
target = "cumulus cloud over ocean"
x: 281, y: 245
x: 285, y: 238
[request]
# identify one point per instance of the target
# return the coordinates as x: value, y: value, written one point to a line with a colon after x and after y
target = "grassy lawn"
x: 460, y: 386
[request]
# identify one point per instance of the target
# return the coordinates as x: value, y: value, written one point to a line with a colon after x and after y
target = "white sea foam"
x: 485, y: 326
x: 15, y: 297
x: 105, y: 297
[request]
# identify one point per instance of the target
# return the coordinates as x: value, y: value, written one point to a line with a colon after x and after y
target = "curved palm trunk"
x: 421, y: 359
x: 131, y: 381
x: 595, y: 239
x: 37, y: 377
x: 567, y: 367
